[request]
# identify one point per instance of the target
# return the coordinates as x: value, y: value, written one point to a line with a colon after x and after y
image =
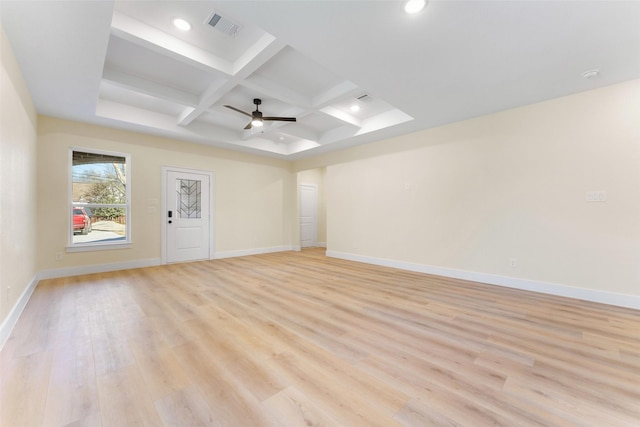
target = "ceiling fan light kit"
x: 257, y: 121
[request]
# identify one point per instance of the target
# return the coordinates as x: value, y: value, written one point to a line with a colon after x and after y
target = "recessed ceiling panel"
x: 320, y: 122
x: 132, y: 59
x: 298, y: 73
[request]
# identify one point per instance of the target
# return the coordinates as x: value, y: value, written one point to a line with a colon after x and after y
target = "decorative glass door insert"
x: 189, y: 199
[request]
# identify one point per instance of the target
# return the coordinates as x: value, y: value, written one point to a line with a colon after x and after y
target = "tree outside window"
x: 100, y: 202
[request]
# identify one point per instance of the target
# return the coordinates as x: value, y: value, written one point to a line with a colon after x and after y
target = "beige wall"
x: 316, y: 177
x: 17, y: 182
x: 253, y: 196
x: 472, y: 195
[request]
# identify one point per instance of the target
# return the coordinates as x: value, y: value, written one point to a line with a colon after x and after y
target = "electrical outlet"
x: 59, y: 256
x: 513, y: 263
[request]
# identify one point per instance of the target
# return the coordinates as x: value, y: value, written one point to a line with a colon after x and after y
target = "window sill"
x: 91, y: 247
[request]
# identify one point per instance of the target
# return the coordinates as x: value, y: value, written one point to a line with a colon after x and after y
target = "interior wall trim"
x: 11, y: 320
x: 603, y: 297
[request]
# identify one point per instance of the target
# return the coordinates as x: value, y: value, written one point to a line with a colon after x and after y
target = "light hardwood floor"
x: 298, y: 339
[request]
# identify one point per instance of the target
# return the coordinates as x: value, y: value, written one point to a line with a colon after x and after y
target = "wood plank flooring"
x: 299, y: 339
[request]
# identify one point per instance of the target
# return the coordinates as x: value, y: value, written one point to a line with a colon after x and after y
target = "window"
x: 100, y: 200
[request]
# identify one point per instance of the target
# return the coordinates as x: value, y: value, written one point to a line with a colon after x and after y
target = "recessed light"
x: 414, y: 6
x: 591, y: 74
x: 355, y: 108
x: 181, y: 24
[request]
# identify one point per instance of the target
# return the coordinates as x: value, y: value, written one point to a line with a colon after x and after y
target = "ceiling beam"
x: 270, y: 47
x: 139, y: 118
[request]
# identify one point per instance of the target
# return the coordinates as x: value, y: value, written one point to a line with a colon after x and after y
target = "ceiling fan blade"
x: 239, y: 111
x: 280, y: 119
x: 249, y: 126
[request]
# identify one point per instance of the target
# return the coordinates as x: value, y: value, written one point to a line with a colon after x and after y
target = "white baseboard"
x: 97, y: 268
x: 621, y: 300
x: 255, y: 251
x: 11, y: 320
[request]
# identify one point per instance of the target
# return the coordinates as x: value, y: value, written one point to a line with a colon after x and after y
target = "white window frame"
x: 98, y: 246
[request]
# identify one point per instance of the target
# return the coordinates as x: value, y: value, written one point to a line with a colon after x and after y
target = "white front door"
x: 308, y: 215
x: 187, y: 216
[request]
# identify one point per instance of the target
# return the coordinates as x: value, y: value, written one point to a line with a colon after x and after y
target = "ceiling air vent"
x: 224, y: 25
x: 365, y: 98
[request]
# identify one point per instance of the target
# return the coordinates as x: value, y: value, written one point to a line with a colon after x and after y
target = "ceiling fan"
x: 256, y: 117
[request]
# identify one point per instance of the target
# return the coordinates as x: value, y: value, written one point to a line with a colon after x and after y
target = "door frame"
x: 164, y: 209
x: 315, y: 215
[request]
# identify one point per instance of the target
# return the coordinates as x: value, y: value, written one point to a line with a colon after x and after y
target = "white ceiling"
x: 122, y: 64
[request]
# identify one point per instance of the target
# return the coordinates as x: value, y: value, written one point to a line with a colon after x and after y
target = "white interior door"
x: 308, y: 215
x: 187, y: 216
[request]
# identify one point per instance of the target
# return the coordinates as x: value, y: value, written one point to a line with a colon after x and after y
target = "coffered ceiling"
x: 124, y: 64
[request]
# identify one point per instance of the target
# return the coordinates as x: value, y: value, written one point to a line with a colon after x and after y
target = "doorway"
x: 308, y: 215
x: 188, y: 223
